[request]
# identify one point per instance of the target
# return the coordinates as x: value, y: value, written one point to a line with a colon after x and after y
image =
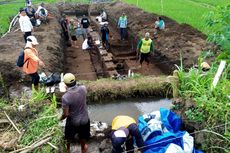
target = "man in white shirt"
x: 25, y: 24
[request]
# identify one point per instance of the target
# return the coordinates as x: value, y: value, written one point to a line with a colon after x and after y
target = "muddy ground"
x: 175, y: 39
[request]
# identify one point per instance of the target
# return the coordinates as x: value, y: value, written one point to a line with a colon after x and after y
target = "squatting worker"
x: 124, y: 131
x: 31, y: 60
x: 145, y: 47
x: 75, y: 110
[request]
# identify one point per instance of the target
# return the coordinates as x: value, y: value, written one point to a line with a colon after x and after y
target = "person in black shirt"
x: 105, y: 35
x: 85, y: 24
x: 64, y: 25
x: 30, y: 12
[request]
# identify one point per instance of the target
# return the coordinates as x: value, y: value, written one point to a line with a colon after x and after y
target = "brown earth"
x: 50, y: 49
x: 175, y: 39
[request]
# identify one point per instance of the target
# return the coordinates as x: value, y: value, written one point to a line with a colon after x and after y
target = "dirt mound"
x: 50, y: 48
x: 176, y: 39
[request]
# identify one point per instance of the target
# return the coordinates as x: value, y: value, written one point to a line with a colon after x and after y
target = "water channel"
x: 134, y: 107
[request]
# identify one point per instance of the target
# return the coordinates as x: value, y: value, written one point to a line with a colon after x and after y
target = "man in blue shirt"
x: 159, y: 26
x: 122, y: 24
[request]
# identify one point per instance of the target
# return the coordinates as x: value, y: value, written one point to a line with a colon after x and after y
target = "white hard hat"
x: 147, y: 34
x: 32, y: 40
x: 69, y: 78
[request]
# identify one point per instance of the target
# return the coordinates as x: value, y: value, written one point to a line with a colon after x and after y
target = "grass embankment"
x: 137, y: 87
x: 212, y: 105
x: 8, y: 9
x: 183, y: 11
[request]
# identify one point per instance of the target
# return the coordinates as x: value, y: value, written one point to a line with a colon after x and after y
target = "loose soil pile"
x: 50, y: 48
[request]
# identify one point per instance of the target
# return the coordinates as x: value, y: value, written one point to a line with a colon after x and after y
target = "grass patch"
x: 183, y: 11
x: 38, y: 119
x: 212, y: 105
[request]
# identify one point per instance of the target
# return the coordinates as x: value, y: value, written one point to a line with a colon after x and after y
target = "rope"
x: 203, y: 130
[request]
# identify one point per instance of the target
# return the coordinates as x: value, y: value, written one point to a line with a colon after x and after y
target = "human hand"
x: 41, y: 63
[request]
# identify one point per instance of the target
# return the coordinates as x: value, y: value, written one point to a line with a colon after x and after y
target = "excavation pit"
x: 100, y: 63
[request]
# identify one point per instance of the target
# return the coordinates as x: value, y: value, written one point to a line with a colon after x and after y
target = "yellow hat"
x: 69, y: 78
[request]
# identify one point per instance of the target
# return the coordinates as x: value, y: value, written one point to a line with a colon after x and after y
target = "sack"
x: 20, y: 61
x: 38, y: 22
x: 53, y: 79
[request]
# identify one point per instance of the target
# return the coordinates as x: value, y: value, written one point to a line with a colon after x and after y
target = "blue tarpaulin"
x: 161, y: 131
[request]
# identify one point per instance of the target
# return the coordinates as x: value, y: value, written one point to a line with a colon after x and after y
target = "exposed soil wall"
x: 175, y: 39
x: 50, y: 48
x: 73, y: 9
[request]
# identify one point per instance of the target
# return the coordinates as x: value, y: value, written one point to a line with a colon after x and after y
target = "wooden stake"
x: 53, y: 146
x: 218, y: 73
x: 12, y: 123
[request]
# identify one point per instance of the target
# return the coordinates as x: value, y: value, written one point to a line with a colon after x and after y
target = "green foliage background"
x: 183, y: 11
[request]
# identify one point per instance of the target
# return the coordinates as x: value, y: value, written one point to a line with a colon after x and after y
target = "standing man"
x: 25, y: 24
x: 31, y: 60
x: 85, y: 25
x: 105, y: 35
x: 122, y: 24
x: 75, y: 110
x: 124, y: 130
x: 65, y: 25
x: 30, y: 12
x: 145, y: 47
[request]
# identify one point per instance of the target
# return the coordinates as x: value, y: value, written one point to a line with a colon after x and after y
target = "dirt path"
x: 79, y: 62
x: 124, y: 52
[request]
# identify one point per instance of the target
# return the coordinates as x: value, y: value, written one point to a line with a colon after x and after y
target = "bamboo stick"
x: 32, y: 147
x: 12, y: 123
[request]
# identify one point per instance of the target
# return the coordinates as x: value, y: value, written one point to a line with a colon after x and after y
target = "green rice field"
x: 191, y: 12
x: 183, y: 11
x: 9, y: 8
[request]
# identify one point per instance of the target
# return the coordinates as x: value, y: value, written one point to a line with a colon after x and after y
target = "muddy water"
x: 134, y: 108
